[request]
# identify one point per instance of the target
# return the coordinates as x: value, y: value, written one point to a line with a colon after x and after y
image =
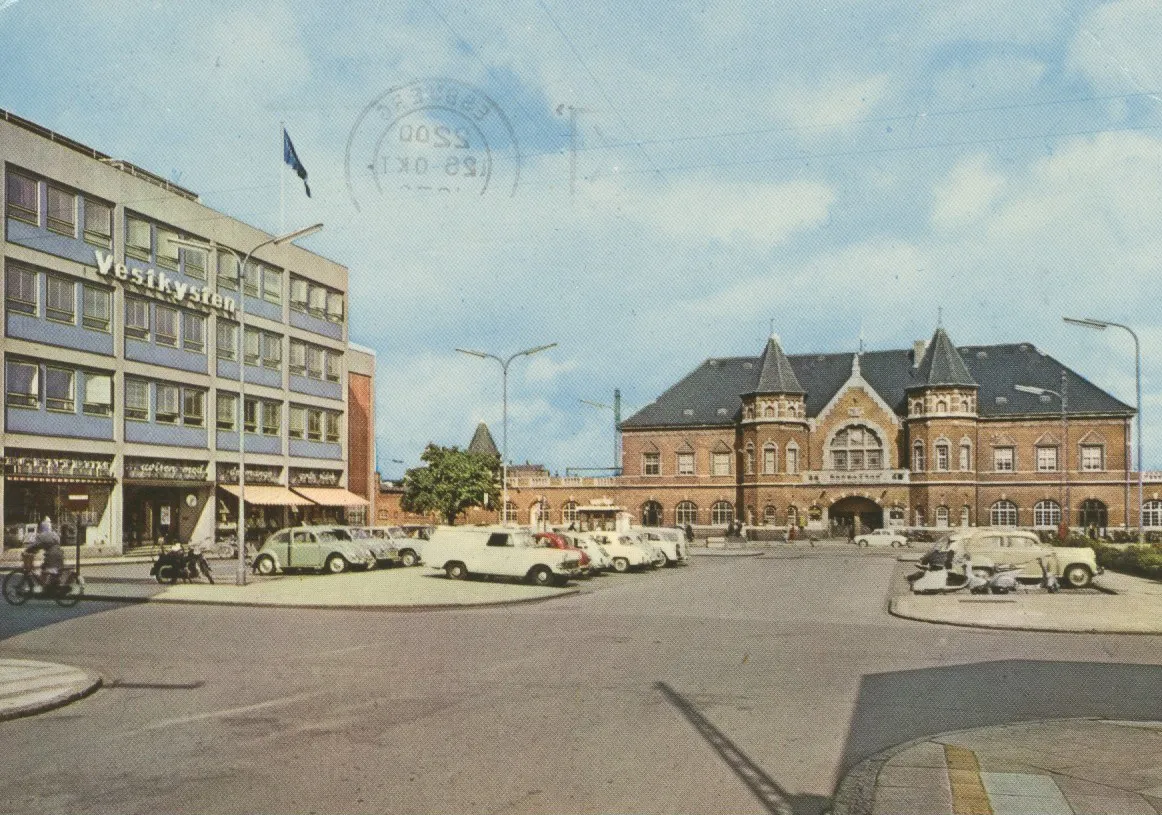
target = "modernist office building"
x: 122, y: 356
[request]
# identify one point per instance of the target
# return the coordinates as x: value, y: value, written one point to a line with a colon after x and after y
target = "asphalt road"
x: 736, y: 685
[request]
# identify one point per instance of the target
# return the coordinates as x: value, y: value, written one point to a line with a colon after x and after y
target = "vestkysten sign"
x: 162, y: 283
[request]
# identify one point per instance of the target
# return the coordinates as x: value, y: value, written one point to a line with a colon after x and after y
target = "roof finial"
x: 940, y: 316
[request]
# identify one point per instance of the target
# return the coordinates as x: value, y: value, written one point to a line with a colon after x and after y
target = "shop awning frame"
x: 332, y: 497
x: 269, y: 496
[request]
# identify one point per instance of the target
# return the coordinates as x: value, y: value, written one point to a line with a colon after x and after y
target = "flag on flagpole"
x: 292, y: 158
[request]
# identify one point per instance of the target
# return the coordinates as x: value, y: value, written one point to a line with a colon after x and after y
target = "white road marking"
x: 221, y: 714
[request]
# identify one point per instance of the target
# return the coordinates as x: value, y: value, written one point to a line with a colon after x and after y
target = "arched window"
x: 722, y: 513
x: 569, y: 512
x: 749, y: 459
x: 770, y: 458
x: 686, y: 513
x: 1003, y: 513
x: 510, y: 513
x: 651, y: 513
x: 942, y: 515
x: 917, y: 407
x: 965, y: 515
x: 539, y: 512
x: 1092, y: 512
x: 771, y: 515
x: 918, y: 456
x: 792, y: 515
x: 856, y: 448
x: 748, y: 412
x: 1046, y: 513
x: 792, y: 460
x: 1152, y: 513
x: 941, y: 406
x: 965, y: 405
x: 965, y: 456
x: 768, y: 411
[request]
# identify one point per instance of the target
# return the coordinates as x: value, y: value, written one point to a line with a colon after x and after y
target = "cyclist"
x: 48, y: 540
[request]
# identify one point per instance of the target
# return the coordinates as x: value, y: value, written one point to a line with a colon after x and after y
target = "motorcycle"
x: 180, y: 563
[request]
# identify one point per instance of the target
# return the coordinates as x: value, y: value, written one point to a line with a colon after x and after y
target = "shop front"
x: 331, y: 504
x: 165, y: 502
x: 269, y: 505
x: 72, y: 491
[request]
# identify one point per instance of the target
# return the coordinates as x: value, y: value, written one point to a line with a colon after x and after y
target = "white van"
x: 672, y: 542
x: 459, y: 551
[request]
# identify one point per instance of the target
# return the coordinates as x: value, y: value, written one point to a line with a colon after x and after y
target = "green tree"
x: 451, y: 481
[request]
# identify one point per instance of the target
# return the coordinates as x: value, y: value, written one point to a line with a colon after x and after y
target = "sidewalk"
x: 28, y: 687
x: 1127, y: 605
x: 1061, y: 767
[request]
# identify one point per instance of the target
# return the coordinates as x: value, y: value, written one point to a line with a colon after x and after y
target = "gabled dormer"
x: 941, y: 383
x: 777, y: 395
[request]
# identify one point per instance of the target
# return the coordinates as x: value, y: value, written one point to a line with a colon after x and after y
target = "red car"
x: 555, y: 541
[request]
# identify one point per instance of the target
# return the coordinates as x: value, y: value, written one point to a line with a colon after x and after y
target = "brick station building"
x: 934, y: 436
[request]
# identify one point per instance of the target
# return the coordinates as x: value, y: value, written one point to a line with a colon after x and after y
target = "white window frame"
x: 720, y: 464
x: 1046, y: 514
x: 1087, y: 463
x: 136, y: 400
x: 1047, y: 458
x: 169, y: 340
x: 60, y: 307
x: 686, y: 512
x: 29, y: 398
x: 226, y: 419
x: 1002, y: 512
x: 721, y: 513
x: 21, y: 290
x: 1004, y: 459
x: 965, y: 457
x: 651, y: 463
x: 685, y: 464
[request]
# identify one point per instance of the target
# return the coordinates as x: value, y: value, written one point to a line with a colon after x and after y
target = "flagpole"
x: 282, y: 178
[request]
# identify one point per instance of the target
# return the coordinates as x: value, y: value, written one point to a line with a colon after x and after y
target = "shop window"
x: 98, y: 223
x: 686, y: 513
x: 1003, y: 513
x: 332, y: 422
x: 720, y: 463
x: 138, y: 239
x: 59, y: 393
x: 1046, y: 514
x: 685, y: 464
x: 194, y: 332
x: 226, y: 411
x: 165, y: 325
x: 331, y: 363
x: 20, y: 290
x: 651, y: 463
x: 136, y: 400
x: 136, y: 318
x: 1003, y: 459
x: 227, y: 340
x: 722, y: 513
x: 60, y: 299
x: 298, y: 294
x: 271, y: 418
x: 167, y: 410
x: 1092, y: 458
x: 62, y: 211
x: 297, y: 423
x: 1046, y: 459
x: 298, y: 358
x: 272, y: 285
x: 167, y: 251
x: 96, y: 308
x: 227, y: 270
x: 21, y: 198
x: 23, y: 384
x: 98, y: 394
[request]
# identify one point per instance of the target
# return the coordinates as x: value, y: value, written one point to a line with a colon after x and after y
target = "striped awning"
x: 268, y: 496
x: 333, y: 496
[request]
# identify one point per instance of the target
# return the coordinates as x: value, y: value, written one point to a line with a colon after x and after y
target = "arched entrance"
x: 856, y: 515
x: 651, y: 513
x: 1093, y: 512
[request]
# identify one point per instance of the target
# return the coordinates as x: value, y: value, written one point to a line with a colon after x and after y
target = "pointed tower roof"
x: 942, y: 364
x: 775, y: 372
x: 482, y: 442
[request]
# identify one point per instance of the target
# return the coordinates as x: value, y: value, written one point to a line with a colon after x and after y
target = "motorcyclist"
x: 48, y: 540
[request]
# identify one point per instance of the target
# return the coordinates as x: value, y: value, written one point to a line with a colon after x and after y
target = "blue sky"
x: 843, y: 171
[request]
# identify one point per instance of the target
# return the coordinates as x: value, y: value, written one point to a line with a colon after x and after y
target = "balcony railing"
x: 533, y: 482
x: 856, y: 476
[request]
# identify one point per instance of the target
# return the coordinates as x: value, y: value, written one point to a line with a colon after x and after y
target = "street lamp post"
x: 616, y: 408
x: 240, y: 569
x: 1063, y: 397
x: 1101, y: 325
x: 528, y: 352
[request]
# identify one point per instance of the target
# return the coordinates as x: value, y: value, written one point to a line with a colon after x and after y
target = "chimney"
x: 918, y: 352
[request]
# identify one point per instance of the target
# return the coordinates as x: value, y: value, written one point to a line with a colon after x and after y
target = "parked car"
x: 995, y: 549
x: 599, y: 558
x: 311, y: 547
x: 672, y: 542
x: 625, y: 551
x: 555, y: 540
x: 410, y: 549
x: 882, y: 537
x: 17, y: 535
x: 383, y: 547
x: 460, y: 551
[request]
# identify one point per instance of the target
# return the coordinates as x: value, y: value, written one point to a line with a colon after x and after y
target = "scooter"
x: 178, y: 563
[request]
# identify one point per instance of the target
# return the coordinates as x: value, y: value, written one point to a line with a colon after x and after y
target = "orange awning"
x: 333, y: 496
x: 268, y: 496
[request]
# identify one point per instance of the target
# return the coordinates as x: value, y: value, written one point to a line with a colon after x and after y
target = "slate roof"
x: 711, y: 393
x: 482, y: 441
x: 942, y: 365
x: 775, y: 373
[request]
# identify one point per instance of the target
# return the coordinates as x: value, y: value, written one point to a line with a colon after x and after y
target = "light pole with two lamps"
x: 528, y: 352
x: 240, y: 572
x: 1063, y: 397
x: 1102, y: 325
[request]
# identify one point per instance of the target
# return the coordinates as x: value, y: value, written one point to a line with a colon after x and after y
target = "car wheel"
x: 895, y: 544
x: 620, y: 565
x: 409, y: 558
x: 167, y: 574
x: 456, y: 570
x: 335, y: 564
x: 862, y: 543
x: 1078, y: 576
x: 666, y: 560
x: 264, y: 565
x: 541, y: 576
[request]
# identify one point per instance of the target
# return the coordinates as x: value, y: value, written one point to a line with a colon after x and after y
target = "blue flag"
x: 292, y: 158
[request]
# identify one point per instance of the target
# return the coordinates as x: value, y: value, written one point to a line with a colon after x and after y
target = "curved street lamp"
x: 240, y: 570
x: 1063, y: 396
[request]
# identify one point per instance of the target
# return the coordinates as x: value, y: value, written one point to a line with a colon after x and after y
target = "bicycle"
x: 22, y: 584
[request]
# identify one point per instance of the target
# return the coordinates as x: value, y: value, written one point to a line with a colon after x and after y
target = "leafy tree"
x: 452, y: 481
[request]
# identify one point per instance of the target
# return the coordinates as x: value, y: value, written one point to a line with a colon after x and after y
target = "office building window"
x: 252, y: 278
x: 298, y: 422
x: 271, y: 418
x: 98, y: 394
x: 62, y: 211
x: 226, y: 411
x: 331, y: 362
x: 59, y: 393
x: 227, y: 341
x: 271, y: 351
x: 97, y: 308
x: 21, y: 197
x: 272, y: 285
x: 165, y: 325
x: 1092, y: 458
x: 332, y: 426
x: 168, y: 408
x: 335, y: 306
x: 60, y: 299
x: 138, y: 238
x: 23, y: 384
x: 250, y: 416
x: 136, y: 318
x: 251, y: 345
x: 1003, y: 459
x: 315, y: 425
x: 137, y: 400
x: 168, y: 252
x: 685, y: 464
x: 298, y: 358
x: 193, y: 407
x: 194, y: 262
x: 20, y: 290
x: 299, y: 289
x: 98, y: 223
x: 227, y: 271
x: 194, y: 332
x: 314, y: 362
x: 317, y: 302
x: 651, y: 463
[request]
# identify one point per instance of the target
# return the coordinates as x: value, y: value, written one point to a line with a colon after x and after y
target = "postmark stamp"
x: 431, y: 136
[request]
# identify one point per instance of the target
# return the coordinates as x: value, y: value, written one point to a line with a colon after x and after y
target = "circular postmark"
x: 432, y: 136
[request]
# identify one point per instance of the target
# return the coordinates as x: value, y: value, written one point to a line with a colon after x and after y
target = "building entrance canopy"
x: 268, y: 496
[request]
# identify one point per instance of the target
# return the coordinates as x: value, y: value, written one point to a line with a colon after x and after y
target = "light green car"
x: 311, y: 547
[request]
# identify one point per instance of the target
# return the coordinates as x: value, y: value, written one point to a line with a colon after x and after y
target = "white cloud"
x: 810, y: 102
x: 967, y: 193
x: 1116, y: 46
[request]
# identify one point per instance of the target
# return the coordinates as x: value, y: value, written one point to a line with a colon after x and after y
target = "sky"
x: 648, y: 185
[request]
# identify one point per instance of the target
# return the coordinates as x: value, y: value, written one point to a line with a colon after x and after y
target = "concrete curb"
x: 92, y: 683
x: 729, y: 553
x: 185, y: 601
x: 895, y: 612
